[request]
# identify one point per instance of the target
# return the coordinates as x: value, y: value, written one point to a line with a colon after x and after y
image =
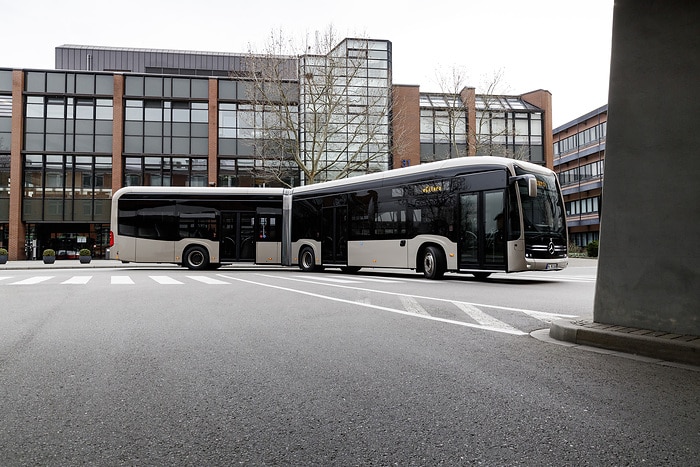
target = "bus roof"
x: 451, y: 166
x: 187, y: 190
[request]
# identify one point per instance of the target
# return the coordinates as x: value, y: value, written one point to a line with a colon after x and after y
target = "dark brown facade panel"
x: 16, y: 227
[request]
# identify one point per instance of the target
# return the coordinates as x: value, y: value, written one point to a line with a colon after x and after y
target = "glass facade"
x: 507, y: 126
x: 68, y: 146
x: 166, y: 131
x: 165, y: 171
x: 443, y: 127
x: 5, y: 141
x: 60, y: 187
x: 347, y: 131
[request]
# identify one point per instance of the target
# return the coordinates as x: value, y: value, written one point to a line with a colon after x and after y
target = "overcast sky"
x: 559, y: 45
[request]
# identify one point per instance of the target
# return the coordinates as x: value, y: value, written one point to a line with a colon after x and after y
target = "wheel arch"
x: 421, y: 251
x: 299, y: 247
x: 212, y: 257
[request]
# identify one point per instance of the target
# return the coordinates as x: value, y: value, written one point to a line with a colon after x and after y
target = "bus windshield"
x: 544, y: 214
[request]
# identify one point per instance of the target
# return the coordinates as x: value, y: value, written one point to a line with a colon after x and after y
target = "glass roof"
x: 483, y: 102
x: 440, y: 100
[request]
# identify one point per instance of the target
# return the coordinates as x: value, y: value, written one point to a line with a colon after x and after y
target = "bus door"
x: 237, y: 237
x: 482, y: 238
x: 334, y: 243
x: 268, y: 235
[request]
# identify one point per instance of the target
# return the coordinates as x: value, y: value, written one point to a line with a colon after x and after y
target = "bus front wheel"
x: 307, y: 259
x: 196, y: 258
x: 434, y: 263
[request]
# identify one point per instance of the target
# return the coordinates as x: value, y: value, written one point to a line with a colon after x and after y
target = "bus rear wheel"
x: 307, y: 259
x: 434, y: 263
x: 196, y: 258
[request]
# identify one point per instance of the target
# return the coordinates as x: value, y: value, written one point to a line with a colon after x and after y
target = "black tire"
x: 196, y: 258
x: 307, y: 259
x: 350, y: 269
x: 434, y: 263
x: 482, y: 276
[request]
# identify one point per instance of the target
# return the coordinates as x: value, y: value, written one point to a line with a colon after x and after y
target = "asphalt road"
x: 266, y: 366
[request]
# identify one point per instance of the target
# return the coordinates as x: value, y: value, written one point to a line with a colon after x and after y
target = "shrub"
x: 85, y: 252
x: 592, y: 249
x: 3, y: 252
x: 49, y: 252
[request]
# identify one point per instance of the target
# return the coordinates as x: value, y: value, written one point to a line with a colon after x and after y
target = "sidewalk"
x: 112, y: 263
x: 74, y: 264
x: 656, y: 346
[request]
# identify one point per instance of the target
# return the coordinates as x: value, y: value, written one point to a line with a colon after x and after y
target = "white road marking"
x: 533, y: 313
x: 383, y: 281
x: 33, y: 280
x: 208, y: 280
x: 483, y: 318
x: 165, y: 280
x: 3, y: 278
x: 80, y: 280
x: 121, y: 280
x: 376, y: 307
x: 534, y: 276
x: 339, y: 281
x: 412, y: 306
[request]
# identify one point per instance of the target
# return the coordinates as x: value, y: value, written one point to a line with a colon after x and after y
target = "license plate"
x: 552, y: 266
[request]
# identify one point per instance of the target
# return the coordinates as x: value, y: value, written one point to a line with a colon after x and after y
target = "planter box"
x: 49, y: 259
x: 84, y: 259
x: 3, y: 259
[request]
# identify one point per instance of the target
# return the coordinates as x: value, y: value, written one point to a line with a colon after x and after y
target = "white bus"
x: 476, y: 215
x: 196, y: 227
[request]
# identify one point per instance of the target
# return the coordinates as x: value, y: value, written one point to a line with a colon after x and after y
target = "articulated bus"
x: 475, y: 215
x: 196, y: 227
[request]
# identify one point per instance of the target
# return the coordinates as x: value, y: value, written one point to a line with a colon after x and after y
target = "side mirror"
x: 531, y: 183
x: 531, y: 186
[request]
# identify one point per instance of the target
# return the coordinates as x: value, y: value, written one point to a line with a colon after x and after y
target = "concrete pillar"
x: 649, y: 265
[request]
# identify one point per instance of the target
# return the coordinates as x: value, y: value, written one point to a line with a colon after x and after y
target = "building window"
x: 582, y: 139
x: 68, y: 124
x: 154, y: 126
x: 585, y: 172
x: 67, y: 187
x: 443, y: 127
x: 165, y: 171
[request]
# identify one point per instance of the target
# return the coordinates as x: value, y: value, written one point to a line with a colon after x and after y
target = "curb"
x: 655, y: 344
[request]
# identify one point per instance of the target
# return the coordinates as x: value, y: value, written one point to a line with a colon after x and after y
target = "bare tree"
x: 321, y: 110
x: 487, y: 132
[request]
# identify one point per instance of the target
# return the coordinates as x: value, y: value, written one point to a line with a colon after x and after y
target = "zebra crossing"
x: 161, y: 279
x: 334, y: 288
x: 177, y: 279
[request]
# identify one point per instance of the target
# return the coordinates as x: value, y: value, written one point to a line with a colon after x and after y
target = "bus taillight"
x: 111, y: 239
